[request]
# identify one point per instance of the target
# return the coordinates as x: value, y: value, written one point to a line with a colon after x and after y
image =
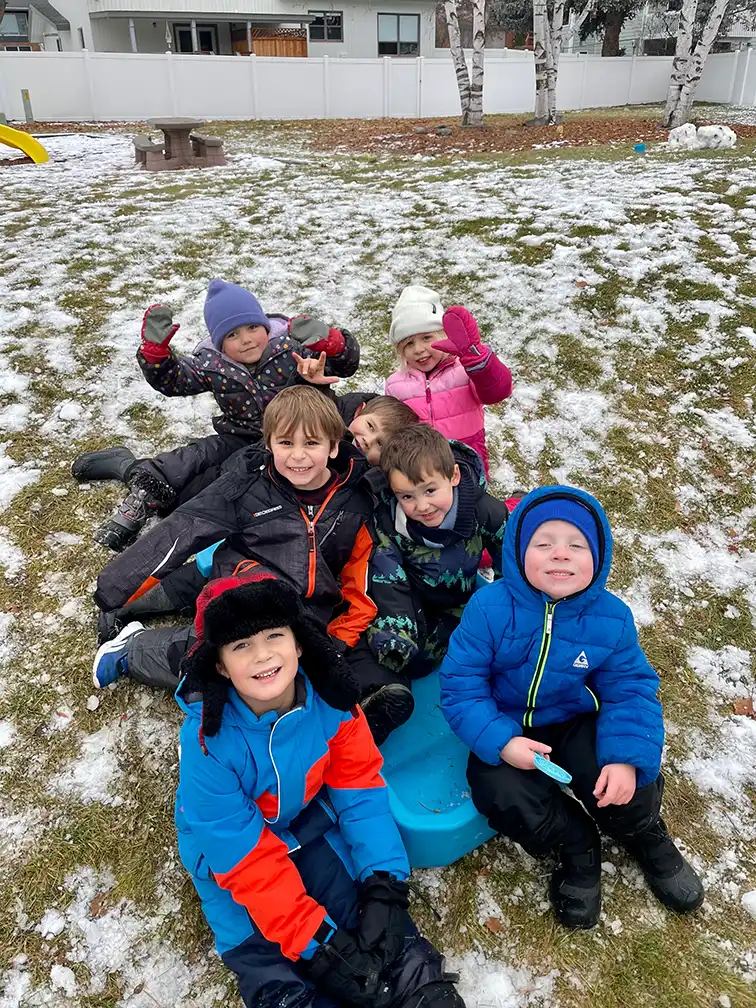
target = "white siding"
x: 361, y: 27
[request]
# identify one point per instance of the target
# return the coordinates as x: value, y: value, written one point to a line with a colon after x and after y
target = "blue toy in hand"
x: 551, y: 769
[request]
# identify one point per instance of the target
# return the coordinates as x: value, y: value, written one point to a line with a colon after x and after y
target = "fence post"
x: 630, y: 84
x: 386, y: 86
x: 326, y: 96
x: 741, y: 99
x: 420, y: 62
x: 171, y: 83
x: 90, y: 87
x: 5, y: 110
x: 253, y: 85
x: 583, y: 77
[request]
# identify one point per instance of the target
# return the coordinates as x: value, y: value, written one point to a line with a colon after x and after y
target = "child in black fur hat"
x: 283, y: 817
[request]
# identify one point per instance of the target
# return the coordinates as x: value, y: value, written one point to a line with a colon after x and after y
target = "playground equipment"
x: 23, y: 142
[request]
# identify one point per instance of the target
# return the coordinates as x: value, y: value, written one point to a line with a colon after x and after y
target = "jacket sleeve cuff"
x: 492, y: 740
x: 321, y: 936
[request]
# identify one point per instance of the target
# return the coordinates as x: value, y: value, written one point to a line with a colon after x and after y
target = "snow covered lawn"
x: 623, y: 295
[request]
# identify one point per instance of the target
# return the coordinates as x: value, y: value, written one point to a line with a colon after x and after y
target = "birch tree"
x: 690, y: 59
x: 458, y: 58
x: 548, y: 26
x: 475, y: 116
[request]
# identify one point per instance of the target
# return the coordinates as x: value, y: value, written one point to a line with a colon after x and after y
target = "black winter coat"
x: 323, y: 552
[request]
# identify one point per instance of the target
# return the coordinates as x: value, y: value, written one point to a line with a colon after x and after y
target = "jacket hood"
x: 513, y: 571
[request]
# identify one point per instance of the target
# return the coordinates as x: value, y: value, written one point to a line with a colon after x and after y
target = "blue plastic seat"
x: 425, y: 768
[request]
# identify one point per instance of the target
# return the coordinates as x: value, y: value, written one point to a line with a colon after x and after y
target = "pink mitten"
x: 462, y: 337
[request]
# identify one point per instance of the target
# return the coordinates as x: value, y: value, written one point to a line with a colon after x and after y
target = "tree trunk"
x: 572, y: 30
x: 458, y: 58
x: 478, y: 57
x: 612, y: 29
x: 696, y: 64
x: 2, y: 9
x: 683, y: 47
x: 540, y: 50
x: 552, y: 63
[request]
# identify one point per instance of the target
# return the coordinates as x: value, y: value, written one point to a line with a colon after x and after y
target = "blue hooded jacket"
x: 519, y: 660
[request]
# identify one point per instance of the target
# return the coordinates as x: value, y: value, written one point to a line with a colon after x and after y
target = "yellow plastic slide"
x: 25, y: 143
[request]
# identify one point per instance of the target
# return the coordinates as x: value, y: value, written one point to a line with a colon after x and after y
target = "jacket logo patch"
x: 581, y: 661
x: 258, y: 514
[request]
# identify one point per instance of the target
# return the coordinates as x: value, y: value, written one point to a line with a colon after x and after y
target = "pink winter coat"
x: 451, y: 399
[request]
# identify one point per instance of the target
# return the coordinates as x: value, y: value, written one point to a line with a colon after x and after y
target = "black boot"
x: 112, y: 463
x: 386, y: 709
x: 438, y: 994
x: 671, y: 879
x: 146, y: 498
x: 154, y: 602
x: 576, y: 886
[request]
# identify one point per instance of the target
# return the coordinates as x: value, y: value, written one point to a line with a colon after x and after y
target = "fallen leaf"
x: 484, y: 873
x: 731, y: 532
x: 732, y: 548
x: 97, y: 906
x: 744, y: 706
x: 581, y: 283
x: 494, y: 924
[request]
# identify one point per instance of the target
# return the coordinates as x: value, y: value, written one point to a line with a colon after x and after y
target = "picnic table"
x: 177, y: 147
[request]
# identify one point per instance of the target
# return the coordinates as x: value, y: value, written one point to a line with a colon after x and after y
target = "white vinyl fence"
x: 70, y: 86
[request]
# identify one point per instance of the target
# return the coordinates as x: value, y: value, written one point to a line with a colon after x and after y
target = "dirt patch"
x: 9, y: 162
x: 501, y: 133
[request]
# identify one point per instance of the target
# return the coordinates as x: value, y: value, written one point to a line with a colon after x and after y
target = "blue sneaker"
x: 110, y: 661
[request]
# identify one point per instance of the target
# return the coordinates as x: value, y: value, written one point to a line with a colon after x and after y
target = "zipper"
x: 429, y: 399
x: 310, y: 523
x: 543, y: 654
x: 593, y: 696
x: 273, y: 762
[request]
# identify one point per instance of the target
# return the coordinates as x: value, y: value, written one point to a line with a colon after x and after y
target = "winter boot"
x: 576, y: 886
x: 438, y: 994
x: 154, y: 602
x: 110, y: 662
x: 146, y: 498
x: 112, y: 463
x: 386, y: 709
x: 671, y: 879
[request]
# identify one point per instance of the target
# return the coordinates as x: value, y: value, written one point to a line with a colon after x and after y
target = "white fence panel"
x: 212, y: 87
x: 290, y: 88
x: 57, y: 84
x: 404, y: 88
x: 128, y: 86
x: 718, y: 78
x: 356, y: 88
x: 134, y: 90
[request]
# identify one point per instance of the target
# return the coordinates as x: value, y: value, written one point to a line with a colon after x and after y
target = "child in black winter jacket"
x: 246, y: 360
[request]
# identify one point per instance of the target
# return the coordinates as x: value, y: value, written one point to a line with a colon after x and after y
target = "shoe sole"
x: 389, y: 705
x: 113, y: 645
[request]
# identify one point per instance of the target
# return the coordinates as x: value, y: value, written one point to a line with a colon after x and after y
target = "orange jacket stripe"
x: 354, y: 580
x: 143, y: 588
x: 355, y: 759
x: 292, y: 917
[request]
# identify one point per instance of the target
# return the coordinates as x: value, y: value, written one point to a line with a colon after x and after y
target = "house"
x: 354, y: 28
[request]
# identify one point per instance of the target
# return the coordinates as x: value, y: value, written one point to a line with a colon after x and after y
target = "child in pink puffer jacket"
x: 447, y: 380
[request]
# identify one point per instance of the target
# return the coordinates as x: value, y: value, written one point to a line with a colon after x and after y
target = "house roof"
x: 205, y: 16
x: 47, y: 11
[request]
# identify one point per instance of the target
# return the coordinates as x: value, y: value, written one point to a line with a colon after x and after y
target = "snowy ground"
x: 623, y: 295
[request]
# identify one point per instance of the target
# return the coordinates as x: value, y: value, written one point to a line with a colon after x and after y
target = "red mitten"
x: 462, y: 337
x: 158, y: 329
x: 317, y: 336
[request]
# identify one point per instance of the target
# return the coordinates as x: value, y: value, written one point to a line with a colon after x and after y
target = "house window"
x: 15, y: 25
x: 674, y: 5
x: 207, y: 38
x: 398, y: 34
x: 326, y: 26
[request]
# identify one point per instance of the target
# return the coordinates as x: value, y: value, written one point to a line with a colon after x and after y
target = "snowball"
x: 716, y: 137
x: 682, y: 138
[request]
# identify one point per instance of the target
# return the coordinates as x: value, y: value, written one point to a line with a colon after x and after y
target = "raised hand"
x: 158, y: 329
x: 312, y: 369
x: 462, y: 337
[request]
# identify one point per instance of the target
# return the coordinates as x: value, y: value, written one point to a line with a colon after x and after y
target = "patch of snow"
x: 486, y: 983
x: 14, y: 476
x: 92, y: 776
x: 726, y: 671
x: 63, y: 978
x: 749, y: 902
x: 52, y: 923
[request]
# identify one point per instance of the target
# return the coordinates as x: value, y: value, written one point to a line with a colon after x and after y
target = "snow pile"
x: 687, y: 137
x: 727, y: 671
x: 486, y: 983
x: 92, y: 775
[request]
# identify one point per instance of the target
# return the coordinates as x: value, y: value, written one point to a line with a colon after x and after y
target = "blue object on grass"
x: 640, y: 148
x: 558, y: 773
x: 425, y: 768
x: 204, y: 559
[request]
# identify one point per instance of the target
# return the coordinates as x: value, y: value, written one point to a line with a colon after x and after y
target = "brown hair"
x: 418, y: 452
x: 302, y: 406
x: 393, y: 413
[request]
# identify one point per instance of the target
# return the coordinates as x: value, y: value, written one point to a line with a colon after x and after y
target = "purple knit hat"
x: 228, y: 306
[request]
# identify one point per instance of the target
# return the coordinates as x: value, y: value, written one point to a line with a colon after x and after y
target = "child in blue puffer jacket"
x: 547, y: 661
x: 283, y: 816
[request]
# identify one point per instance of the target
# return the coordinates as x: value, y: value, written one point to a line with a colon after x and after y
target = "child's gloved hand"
x: 158, y: 329
x: 462, y: 337
x: 384, y: 916
x: 615, y: 785
x: 350, y: 976
x: 312, y: 369
x: 518, y: 752
x: 317, y: 336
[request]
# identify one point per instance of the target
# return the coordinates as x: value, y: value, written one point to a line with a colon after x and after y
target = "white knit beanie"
x: 418, y: 310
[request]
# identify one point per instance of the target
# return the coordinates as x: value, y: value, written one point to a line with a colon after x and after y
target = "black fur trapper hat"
x: 231, y: 608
